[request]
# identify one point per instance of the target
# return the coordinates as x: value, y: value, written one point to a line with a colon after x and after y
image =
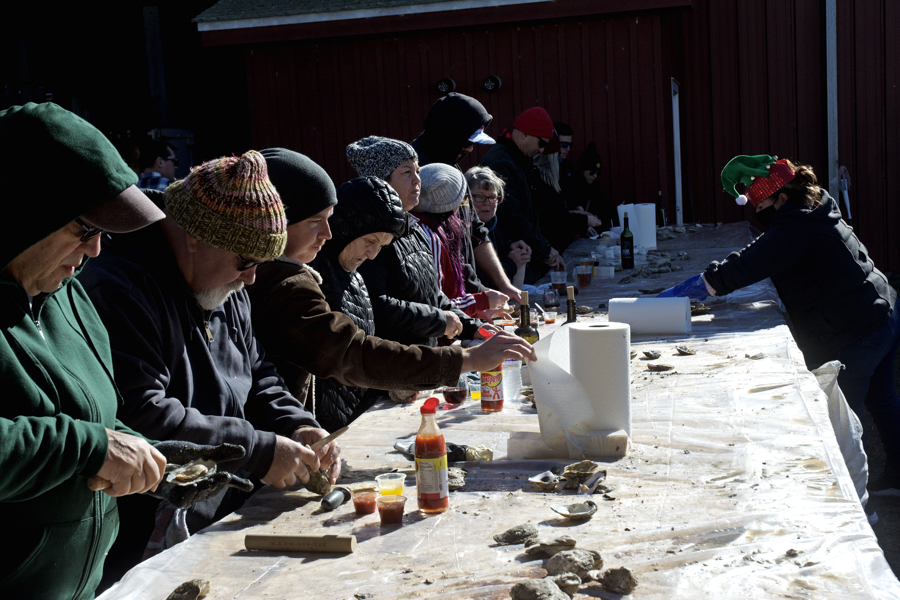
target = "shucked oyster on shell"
x: 189, y: 473
x: 577, y: 473
x: 545, y: 482
x: 575, y: 512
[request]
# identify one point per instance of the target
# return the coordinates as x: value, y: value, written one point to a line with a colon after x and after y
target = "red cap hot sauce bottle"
x: 432, y: 487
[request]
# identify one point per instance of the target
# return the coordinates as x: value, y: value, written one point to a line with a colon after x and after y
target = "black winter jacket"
x: 518, y: 216
x: 448, y: 126
x: 365, y: 205
x: 406, y: 297
x: 832, y: 291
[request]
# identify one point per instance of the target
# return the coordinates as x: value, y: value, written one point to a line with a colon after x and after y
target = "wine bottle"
x: 526, y: 330
x: 570, y: 304
x: 627, y: 242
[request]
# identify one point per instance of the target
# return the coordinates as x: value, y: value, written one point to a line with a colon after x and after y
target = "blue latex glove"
x: 691, y: 288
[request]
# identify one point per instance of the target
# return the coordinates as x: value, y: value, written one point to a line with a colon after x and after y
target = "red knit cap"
x: 535, y: 121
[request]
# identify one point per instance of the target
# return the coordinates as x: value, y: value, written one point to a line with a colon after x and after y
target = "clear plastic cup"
x: 390, y: 509
x: 549, y: 317
x: 391, y: 484
x: 364, y: 501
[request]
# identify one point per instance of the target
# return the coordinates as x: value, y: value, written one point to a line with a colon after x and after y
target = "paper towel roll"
x: 662, y: 316
x: 581, y: 386
x: 645, y: 231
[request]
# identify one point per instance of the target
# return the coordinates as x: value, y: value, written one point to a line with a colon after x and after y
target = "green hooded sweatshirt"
x: 55, y: 365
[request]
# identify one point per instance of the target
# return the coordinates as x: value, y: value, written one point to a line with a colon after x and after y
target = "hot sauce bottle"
x: 432, y: 487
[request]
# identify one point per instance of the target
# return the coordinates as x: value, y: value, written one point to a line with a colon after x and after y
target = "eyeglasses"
x: 172, y: 158
x: 89, y: 232
x: 565, y: 144
x: 542, y: 143
x: 593, y: 172
x: 484, y: 198
x: 246, y: 265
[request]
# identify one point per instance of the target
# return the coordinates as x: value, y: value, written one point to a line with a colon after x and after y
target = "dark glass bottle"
x: 627, y: 242
x: 526, y: 330
x: 570, y: 304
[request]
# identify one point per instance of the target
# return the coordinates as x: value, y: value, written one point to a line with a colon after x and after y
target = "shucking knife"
x: 328, y: 438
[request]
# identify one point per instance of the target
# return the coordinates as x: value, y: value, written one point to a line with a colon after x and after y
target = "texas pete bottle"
x: 432, y: 487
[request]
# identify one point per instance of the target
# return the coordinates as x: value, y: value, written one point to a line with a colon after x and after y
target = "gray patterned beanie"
x: 443, y: 188
x: 376, y: 156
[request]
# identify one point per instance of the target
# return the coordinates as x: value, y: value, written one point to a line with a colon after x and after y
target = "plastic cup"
x: 584, y: 276
x: 558, y: 281
x: 390, y: 509
x: 474, y: 390
x: 391, y: 484
x: 549, y: 317
x: 364, y: 501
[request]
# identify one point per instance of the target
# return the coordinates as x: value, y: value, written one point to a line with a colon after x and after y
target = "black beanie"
x: 305, y: 188
x: 562, y: 128
x: 589, y: 161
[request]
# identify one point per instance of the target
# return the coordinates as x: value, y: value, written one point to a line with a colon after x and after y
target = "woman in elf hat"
x: 840, y: 306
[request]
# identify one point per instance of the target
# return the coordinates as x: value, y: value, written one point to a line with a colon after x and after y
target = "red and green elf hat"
x: 762, y: 175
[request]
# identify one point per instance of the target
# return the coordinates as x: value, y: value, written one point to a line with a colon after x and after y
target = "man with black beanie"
x: 455, y: 123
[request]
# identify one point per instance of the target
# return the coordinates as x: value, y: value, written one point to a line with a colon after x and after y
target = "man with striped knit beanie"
x: 185, y: 356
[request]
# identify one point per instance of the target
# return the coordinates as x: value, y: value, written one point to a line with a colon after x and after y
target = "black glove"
x: 179, y: 453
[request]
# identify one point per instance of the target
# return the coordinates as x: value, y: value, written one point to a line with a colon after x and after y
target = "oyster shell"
x: 621, y: 580
x: 699, y: 309
x: 191, y: 472
x: 456, y: 478
x: 576, y: 561
x: 659, y: 367
x: 567, y: 582
x: 516, y: 535
x: 190, y: 590
x: 319, y: 483
x: 545, y: 482
x: 575, y: 512
x: 548, y: 546
x: 685, y: 350
x: 652, y: 354
x: 577, y: 473
x: 583, y: 310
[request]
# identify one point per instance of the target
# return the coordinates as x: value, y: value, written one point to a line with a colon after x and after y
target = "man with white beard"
x: 185, y: 357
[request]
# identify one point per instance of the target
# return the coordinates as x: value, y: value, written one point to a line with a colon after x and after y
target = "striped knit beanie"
x: 230, y: 203
x: 376, y: 156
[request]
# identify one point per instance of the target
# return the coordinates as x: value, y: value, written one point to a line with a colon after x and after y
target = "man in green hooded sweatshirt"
x: 58, y: 425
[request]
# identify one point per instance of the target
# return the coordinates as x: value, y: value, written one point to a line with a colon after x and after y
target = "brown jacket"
x: 304, y: 337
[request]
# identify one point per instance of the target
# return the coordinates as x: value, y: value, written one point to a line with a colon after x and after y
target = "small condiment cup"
x: 390, y: 509
x: 549, y: 317
x: 391, y: 484
x: 364, y: 501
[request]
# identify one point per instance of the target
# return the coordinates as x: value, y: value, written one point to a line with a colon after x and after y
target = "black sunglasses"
x: 565, y: 144
x: 248, y: 264
x: 173, y: 159
x: 592, y: 172
x: 542, y: 143
x: 89, y: 232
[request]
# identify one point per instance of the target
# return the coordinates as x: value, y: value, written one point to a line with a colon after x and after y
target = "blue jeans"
x: 868, y: 380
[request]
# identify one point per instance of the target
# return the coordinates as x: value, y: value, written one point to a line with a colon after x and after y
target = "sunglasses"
x: 89, y: 232
x: 173, y: 159
x: 593, y: 172
x: 542, y: 143
x: 248, y: 264
x: 565, y: 144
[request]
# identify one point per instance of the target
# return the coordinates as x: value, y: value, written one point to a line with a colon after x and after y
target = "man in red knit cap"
x: 511, y: 158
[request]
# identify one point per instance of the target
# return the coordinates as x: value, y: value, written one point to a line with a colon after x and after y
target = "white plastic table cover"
x: 734, y: 487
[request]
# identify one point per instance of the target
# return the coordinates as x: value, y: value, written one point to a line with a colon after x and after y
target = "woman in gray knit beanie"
x: 391, y: 160
x: 444, y: 190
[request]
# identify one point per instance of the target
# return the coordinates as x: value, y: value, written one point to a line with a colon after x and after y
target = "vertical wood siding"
x: 752, y: 75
